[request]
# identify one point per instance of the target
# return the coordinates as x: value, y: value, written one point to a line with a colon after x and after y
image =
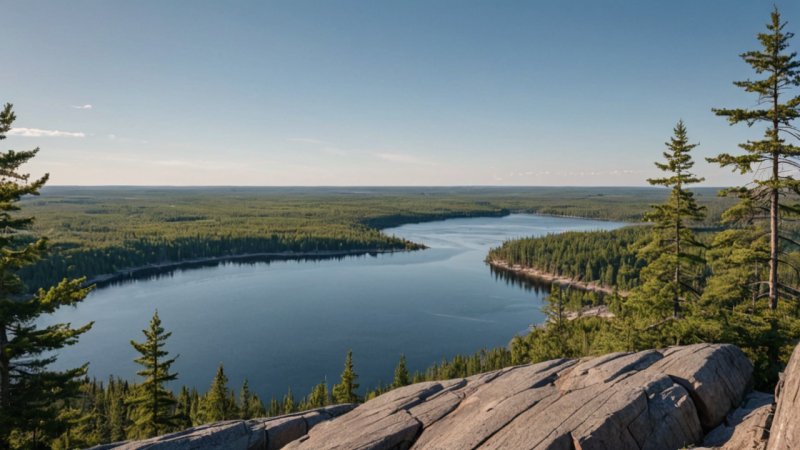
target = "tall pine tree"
x: 153, y: 405
x: 216, y: 404
x: 28, y: 390
x: 676, y: 262
x: 400, y: 373
x: 345, y: 391
x: 771, y: 160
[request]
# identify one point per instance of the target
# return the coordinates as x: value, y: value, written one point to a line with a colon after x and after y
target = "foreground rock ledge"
x: 665, y: 399
x: 271, y: 433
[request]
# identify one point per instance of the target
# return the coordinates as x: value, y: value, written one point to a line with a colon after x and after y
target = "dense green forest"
x: 98, y: 231
x: 606, y: 257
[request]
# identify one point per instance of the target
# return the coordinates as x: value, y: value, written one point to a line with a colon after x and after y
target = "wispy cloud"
x: 333, y: 149
x: 404, y: 158
x: 37, y: 132
x: 302, y: 140
x: 187, y: 164
x: 86, y: 106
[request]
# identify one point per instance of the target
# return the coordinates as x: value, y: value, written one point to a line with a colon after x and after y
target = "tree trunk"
x: 773, y: 244
x: 773, y: 348
x: 773, y: 206
x: 676, y: 306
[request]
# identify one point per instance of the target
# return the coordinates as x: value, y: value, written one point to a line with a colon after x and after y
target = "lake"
x: 289, y: 323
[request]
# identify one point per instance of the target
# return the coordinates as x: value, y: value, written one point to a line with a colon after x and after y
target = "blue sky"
x: 374, y: 92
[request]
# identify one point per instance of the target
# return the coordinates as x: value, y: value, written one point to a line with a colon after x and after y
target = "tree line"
x: 100, y: 231
x: 119, y: 410
x: 606, y: 257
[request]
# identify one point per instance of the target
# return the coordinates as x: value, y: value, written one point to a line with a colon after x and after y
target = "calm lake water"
x: 290, y: 323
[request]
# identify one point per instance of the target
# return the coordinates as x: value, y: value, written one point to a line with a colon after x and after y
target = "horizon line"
x: 321, y: 186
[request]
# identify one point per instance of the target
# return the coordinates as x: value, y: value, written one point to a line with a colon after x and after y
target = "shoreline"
x: 550, y: 278
x: 132, y: 272
x: 287, y: 255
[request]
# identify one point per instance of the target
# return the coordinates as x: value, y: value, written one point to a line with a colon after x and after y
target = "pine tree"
x: 216, y: 404
x: 183, y: 409
x: 319, y: 396
x: 771, y: 156
x: 274, y: 407
x: 400, y: 373
x: 28, y: 390
x: 676, y: 261
x: 195, y: 410
x: 246, y: 402
x: 117, y: 411
x: 255, y: 407
x: 289, y: 405
x: 345, y: 391
x: 152, y: 404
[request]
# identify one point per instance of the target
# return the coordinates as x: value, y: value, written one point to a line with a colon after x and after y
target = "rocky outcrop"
x: 256, y: 434
x: 746, y: 428
x: 785, y: 430
x: 678, y: 397
x: 648, y: 400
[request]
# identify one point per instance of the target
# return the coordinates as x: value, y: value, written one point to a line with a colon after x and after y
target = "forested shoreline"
x: 100, y: 232
x: 605, y: 258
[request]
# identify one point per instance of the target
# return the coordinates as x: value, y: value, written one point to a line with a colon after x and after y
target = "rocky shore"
x: 550, y: 278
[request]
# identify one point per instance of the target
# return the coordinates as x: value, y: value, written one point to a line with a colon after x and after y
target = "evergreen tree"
x: 319, y: 396
x: 249, y: 404
x: 274, y: 407
x: 676, y: 261
x: 152, y: 403
x: 216, y: 403
x: 289, y: 405
x: 117, y: 411
x: 244, y: 398
x: 195, y: 410
x: 183, y: 409
x: 345, y: 391
x: 400, y: 373
x: 771, y: 160
x: 255, y: 407
x: 28, y: 390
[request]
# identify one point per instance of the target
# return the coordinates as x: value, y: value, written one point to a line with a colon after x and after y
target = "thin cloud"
x: 404, y: 158
x: 86, y: 106
x: 37, y: 132
x: 303, y: 140
x: 188, y: 164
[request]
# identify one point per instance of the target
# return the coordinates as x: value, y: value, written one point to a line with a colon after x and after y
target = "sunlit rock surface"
x: 695, y: 396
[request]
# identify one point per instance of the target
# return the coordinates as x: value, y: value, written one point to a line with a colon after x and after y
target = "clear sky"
x: 427, y: 92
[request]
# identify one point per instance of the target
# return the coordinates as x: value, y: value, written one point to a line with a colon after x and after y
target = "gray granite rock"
x: 746, y: 428
x: 255, y: 434
x: 646, y: 400
x: 666, y: 399
x: 785, y: 430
